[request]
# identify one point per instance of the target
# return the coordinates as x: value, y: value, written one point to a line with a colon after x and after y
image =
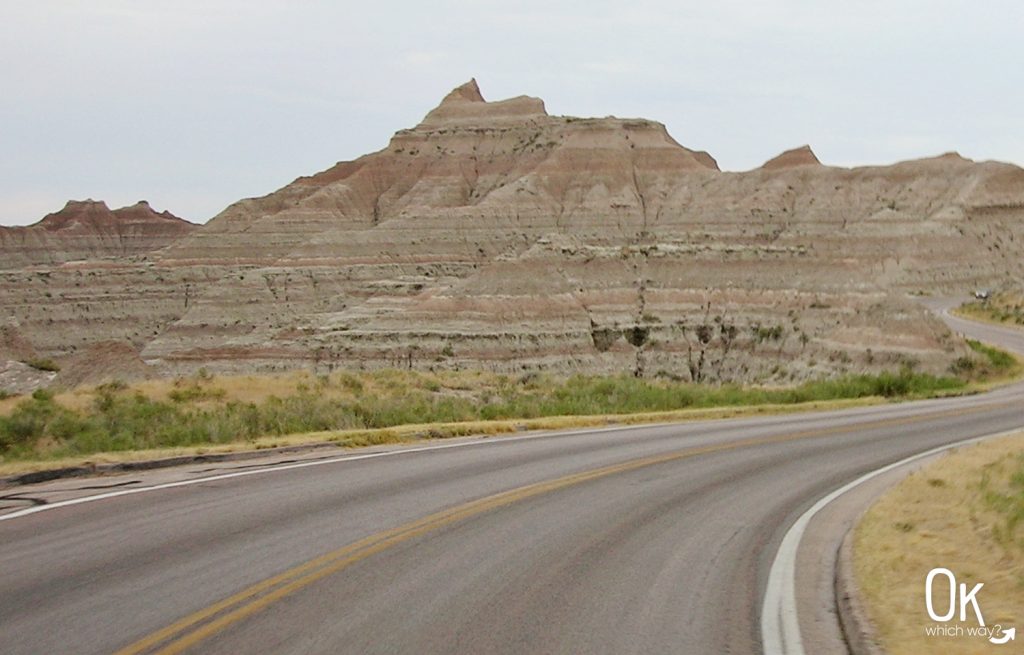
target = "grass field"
x: 964, y: 512
x: 385, y: 406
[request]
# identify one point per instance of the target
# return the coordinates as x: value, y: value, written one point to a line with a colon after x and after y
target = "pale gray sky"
x: 195, y: 104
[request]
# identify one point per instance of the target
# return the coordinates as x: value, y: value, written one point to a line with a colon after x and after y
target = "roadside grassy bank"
x: 354, y: 409
x: 417, y: 433
x: 965, y: 513
x: 1004, y: 308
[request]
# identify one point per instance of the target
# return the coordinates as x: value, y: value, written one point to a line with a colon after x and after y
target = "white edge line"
x: 780, y: 628
x: 476, y: 441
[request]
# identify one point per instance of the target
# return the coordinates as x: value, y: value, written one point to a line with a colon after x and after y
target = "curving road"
x: 654, y: 539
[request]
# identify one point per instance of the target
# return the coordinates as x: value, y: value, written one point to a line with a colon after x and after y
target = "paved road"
x: 1008, y: 337
x: 651, y: 539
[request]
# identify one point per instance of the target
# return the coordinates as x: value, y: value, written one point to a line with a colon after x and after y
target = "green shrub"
x: 33, y: 418
x: 764, y: 333
x: 195, y: 392
x: 43, y: 365
x: 112, y: 387
x: 964, y: 366
x: 350, y: 382
x: 998, y: 359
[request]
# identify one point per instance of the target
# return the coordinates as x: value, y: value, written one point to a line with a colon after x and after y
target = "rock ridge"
x: 89, y: 229
x: 494, y: 235
x: 802, y: 156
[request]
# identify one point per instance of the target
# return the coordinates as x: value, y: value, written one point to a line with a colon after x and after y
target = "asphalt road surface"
x: 654, y: 539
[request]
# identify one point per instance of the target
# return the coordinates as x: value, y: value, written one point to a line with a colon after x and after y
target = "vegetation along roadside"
x: 1003, y: 308
x: 372, y: 407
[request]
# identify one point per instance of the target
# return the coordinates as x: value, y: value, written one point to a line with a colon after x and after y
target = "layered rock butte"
x: 493, y: 235
x: 89, y: 230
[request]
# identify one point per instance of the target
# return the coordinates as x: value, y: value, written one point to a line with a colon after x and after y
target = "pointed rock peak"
x: 466, y: 105
x: 141, y: 208
x: 802, y: 156
x: 468, y: 92
x: 143, y: 211
x: 954, y: 156
x: 705, y: 159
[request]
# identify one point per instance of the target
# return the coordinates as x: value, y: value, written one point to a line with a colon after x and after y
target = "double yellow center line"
x: 195, y: 628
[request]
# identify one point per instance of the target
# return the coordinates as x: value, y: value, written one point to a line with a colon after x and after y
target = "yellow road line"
x: 257, y: 597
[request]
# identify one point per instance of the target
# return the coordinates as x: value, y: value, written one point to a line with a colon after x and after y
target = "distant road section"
x: 653, y: 539
x: 1006, y: 337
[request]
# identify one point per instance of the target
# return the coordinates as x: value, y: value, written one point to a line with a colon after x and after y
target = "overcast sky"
x: 195, y: 104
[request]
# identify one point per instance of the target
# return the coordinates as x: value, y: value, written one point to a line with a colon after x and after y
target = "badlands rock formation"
x: 802, y: 156
x: 102, y: 362
x: 17, y: 377
x: 495, y: 235
x: 90, y: 230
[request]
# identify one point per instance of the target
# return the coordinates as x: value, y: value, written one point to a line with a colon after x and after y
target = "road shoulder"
x: 940, y: 516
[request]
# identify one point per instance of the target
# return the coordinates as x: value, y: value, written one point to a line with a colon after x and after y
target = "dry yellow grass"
x: 259, y: 388
x: 7, y: 404
x: 937, y: 518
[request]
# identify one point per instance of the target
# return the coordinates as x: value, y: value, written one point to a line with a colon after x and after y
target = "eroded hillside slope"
x: 495, y: 235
